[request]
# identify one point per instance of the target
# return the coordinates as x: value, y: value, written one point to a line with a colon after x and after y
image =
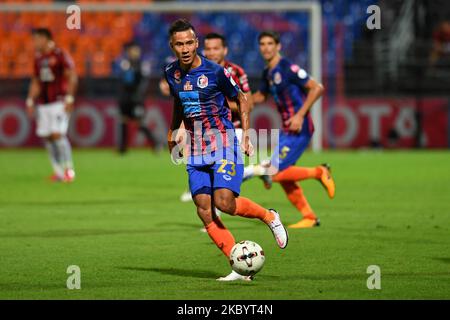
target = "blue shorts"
x: 289, y: 150
x: 222, y: 173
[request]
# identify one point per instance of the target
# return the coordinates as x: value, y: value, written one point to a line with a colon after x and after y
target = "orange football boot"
x: 305, y: 223
x: 327, y: 180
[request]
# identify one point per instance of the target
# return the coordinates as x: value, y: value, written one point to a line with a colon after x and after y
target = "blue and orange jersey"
x: 286, y: 83
x: 202, y: 93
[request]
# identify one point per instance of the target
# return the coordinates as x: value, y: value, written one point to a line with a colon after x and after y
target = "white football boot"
x: 278, y: 230
x: 234, y: 276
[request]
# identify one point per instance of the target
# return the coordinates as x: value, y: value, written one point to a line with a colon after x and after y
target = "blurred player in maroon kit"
x: 50, y: 99
x: 215, y: 49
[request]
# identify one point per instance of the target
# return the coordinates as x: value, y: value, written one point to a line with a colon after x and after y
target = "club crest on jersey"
x: 187, y: 86
x: 202, y: 81
x: 177, y: 76
x: 295, y: 68
x: 277, y: 78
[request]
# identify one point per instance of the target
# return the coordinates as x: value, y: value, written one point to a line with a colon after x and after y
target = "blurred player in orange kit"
x: 50, y: 99
x: 295, y: 93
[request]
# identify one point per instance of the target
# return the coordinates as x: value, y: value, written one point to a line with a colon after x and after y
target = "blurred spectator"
x: 134, y: 80
x: 440, y: 54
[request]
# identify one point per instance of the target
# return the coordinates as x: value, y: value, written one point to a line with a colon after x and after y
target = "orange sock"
x: 295, y: 195
x: 249, y: 209
x: 221, y: 236
x: 294, y: 173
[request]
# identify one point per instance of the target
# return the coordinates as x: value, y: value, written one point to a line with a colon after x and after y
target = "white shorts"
x: 51, y: 118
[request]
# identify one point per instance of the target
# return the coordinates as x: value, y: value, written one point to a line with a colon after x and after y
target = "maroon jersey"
x: 240, y: 77
x: 49, y: 70
x: 442, y: 36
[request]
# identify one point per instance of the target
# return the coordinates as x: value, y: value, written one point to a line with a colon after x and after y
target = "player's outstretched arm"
x: 244, y: 110
x: 33, y: 93
x: 258, y: 97
x: 251, y: 104
x: 177, y: 119
x: 164, y: 87
x: 72, y: 84
x: 315, y: 91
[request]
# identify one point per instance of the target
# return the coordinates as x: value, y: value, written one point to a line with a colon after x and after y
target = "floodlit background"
x: 385, y: 88
x: 383, y: 125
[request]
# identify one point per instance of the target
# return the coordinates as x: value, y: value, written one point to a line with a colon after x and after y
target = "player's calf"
x: 225, y: 201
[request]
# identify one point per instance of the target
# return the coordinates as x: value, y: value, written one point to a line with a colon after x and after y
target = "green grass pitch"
x: 122, y: 223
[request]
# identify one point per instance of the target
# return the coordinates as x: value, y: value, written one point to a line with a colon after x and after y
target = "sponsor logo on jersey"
x: 177, y: 76
x: 277, y: 78
x: 202, y: 81
x: 191, y: 103
x: 295, y: 68
x: 187, y: 86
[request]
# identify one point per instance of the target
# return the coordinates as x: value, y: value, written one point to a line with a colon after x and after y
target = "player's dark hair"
x: 130, y: 44
x: 272, y: 34
x: 214, y: 35
x: 42, y: 32
x: 180, y: 25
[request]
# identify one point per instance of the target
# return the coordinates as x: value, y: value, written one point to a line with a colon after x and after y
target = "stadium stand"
x: 99, y: 42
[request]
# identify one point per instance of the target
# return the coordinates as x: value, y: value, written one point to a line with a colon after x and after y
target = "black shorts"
x: 131, y: 110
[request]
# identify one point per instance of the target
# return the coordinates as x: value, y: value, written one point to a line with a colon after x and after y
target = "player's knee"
x: 226, y: 205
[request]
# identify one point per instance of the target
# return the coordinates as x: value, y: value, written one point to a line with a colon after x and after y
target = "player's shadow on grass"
x: 76, y: 203
x: 78, y: 233
x: 203, y: 274
x: 198, y: 225
x: 442, y: 259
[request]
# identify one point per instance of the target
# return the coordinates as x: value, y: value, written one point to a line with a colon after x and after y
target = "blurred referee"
x: 134, y: 79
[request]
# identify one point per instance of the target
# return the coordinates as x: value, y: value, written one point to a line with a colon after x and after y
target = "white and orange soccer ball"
x: 247, y: 258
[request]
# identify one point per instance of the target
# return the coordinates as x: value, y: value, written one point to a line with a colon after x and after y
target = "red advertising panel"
x: 387, y: 122
x: 353, y: 123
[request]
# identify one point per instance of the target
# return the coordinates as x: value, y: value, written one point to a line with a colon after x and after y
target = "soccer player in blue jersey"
x: 294, y: 92
x: 200, y: 89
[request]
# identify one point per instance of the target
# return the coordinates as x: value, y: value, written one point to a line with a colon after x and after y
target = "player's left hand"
x: 68, y: 103
x: 247, y: 146
x: 295, y: 123
x: 68, y: 107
